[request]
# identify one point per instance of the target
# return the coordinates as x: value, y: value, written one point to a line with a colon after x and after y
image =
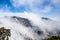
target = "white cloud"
x: 56, y: 3
x: 26, y: 2
x: 47, y: 9
x: 33, y: 5
x: 35, y: 19
x: 56, y: 19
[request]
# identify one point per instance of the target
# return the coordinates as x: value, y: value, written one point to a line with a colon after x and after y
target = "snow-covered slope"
x: 28, y: 29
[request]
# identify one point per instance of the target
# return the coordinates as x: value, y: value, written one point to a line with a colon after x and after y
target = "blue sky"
x: 47, y: 8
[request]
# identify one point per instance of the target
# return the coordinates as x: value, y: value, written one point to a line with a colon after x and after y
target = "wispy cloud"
x: 40, y: 6
x: 50, y: 7
x: 56, y: 2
